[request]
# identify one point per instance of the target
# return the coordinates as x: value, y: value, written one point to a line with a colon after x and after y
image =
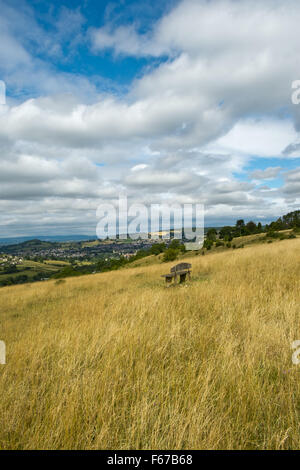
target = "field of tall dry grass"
x: 119, y: 361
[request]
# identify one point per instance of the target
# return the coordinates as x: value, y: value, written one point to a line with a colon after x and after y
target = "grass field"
x: 119, y: 361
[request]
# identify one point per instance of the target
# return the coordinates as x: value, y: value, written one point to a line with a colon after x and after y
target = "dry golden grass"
x: 118, y: 361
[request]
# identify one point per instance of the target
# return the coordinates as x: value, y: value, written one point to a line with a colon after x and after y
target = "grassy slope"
x: 117, y: 360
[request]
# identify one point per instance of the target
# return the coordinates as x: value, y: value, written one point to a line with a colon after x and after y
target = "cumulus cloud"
x: 262, y: 137
x: 125, y: 40
x: 267, y: 174
x: 292, y: 184
x: 28, y: 52
x: 186, y: 129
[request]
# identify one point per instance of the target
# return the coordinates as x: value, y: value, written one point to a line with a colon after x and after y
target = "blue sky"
x: 102, y: 69
x: 166, y: 101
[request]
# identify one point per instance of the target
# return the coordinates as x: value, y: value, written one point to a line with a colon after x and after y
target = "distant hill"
x: 50, y: 238
x: 287, y: 221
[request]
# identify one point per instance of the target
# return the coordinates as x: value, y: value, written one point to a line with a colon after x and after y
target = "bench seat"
x: 181, y: 270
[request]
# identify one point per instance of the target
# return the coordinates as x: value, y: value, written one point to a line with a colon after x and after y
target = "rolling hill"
x: 118, y: 361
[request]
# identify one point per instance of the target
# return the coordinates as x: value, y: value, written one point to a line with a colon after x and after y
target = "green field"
x: 32, y: 268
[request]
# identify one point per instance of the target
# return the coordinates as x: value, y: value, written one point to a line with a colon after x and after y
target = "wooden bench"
x: 182, y: 270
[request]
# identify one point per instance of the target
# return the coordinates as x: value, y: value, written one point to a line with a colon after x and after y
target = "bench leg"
x: 182, y: 278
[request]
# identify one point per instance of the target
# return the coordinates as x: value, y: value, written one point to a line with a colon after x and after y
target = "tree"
x: 240, y: 228
x: 240, y: 223
x: 226, y: 233
x: 291, y: 220
x: 251, y: 227
x: 211, y: 234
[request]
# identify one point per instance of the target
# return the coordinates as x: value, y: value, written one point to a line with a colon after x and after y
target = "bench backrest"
x: 181, y: 267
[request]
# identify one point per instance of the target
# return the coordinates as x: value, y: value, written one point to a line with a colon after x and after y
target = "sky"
x: 165, y: 101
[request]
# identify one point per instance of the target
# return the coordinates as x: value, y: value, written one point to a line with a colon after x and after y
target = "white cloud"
x: 261, y: 137
x: 267, y: 174
x: 292, y: 184
x: 184, y: 129
x: 142, y: 166
x: 124, y: 40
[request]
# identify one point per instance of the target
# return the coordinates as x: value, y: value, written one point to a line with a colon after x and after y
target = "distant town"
x: 83, y: 250
x: 37, y: 260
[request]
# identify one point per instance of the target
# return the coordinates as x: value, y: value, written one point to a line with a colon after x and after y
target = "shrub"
x: 170, y: 254
x: 177, y: 245
x: 67, y: 271
x: 157, y: 248
x: 208, y: 244
x: 20, y: 279
x: 211, y: 234
x: 11, y: 269
x: 6, y: 282
x: 272, y: 234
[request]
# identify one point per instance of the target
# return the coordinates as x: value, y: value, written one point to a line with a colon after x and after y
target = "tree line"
x: 241, y: 229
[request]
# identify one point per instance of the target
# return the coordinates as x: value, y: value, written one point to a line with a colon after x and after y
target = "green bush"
x: 272, y: 234
x: 177, y: 245
x: 11, y: 269
x: 170, y: 254
x: 211, y: 234
x: 157, y: 248
x: 67, y: 271
x: 208, y: 244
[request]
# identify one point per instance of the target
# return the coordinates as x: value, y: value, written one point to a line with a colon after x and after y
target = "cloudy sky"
x: 165, y: 101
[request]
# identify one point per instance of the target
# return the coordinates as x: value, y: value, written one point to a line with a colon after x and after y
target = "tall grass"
x: 119, y: 361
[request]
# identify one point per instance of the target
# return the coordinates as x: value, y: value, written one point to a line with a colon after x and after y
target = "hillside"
x: 119, y: 361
